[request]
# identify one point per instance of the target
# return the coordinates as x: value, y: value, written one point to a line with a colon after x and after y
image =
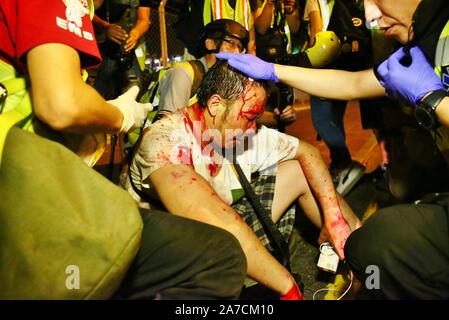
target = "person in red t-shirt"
x: 50, y: 40
x: 63, y: 34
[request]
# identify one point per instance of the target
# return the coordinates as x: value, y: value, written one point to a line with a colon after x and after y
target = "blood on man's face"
x: 242, y: 114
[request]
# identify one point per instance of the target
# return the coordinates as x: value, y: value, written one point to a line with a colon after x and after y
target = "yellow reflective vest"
x: 441, y: 136
x: 221, y: 9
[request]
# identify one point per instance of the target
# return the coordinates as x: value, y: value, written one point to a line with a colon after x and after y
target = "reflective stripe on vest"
x: 17, y: 105
x: 325, y: 11
x: 91, y: 9
x: 17, y: 110
x: 442, y: 56
x: 441, y: 136
x: 220, y: 9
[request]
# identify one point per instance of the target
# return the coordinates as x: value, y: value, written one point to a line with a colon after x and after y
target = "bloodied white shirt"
x: 176, y: 140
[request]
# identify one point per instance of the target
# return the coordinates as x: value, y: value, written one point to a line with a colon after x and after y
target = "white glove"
x: 134, y: 113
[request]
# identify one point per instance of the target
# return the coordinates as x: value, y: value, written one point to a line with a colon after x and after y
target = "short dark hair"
x: 223, y: 80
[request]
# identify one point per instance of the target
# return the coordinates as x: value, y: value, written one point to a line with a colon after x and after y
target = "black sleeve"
x: 144, y: 3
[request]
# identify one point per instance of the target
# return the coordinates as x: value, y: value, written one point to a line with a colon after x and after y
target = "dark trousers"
x: 410, y: 246
x: 327, y: 118
x: 112, y: 77
x: 181, y: 258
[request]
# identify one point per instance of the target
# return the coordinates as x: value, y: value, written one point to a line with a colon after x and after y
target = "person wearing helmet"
x: 327, y: 115
x: 179, y: 83
x: 175, y: 88
x: 223, y: 31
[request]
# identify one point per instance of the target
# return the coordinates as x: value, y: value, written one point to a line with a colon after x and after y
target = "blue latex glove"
x: 408, y: 83
x: 250, y: 65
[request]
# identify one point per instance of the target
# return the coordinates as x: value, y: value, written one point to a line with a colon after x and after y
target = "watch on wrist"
x: 425, y: 112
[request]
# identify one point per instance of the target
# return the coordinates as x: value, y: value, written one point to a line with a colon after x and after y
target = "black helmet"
x: 219, y: 29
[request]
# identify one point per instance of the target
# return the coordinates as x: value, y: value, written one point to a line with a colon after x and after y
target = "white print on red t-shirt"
x: 75, y: 11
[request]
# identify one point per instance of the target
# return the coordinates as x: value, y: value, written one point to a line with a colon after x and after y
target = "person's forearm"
x: 200, y: 202
x: 141, y: 27
x: 263, y: 21
x: 316, y: 25
x: 95, y: 115
x: 143, y: 22
x: 262, y: 266
x: 331, y: 84
x: 442, y: 112
x: 319, y: 180
x: 84, y: 111
x: 61, y: 98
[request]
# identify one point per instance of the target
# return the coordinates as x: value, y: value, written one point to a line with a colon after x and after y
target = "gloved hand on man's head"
x: 250, y: 65
x: 408, y: 82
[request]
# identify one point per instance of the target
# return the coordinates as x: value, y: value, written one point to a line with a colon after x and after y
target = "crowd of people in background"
x: 211, y: 160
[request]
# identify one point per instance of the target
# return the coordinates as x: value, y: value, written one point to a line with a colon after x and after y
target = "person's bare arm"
x: 185, y: 193
x: 320, y: 182
x: 61, y: 98
x: 332, y: 84
x: 263, y: 16
x: 141, y: 27
x: 316, y: 25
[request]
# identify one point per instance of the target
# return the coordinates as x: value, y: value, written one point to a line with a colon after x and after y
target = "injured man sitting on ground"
x: 184, y: 160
